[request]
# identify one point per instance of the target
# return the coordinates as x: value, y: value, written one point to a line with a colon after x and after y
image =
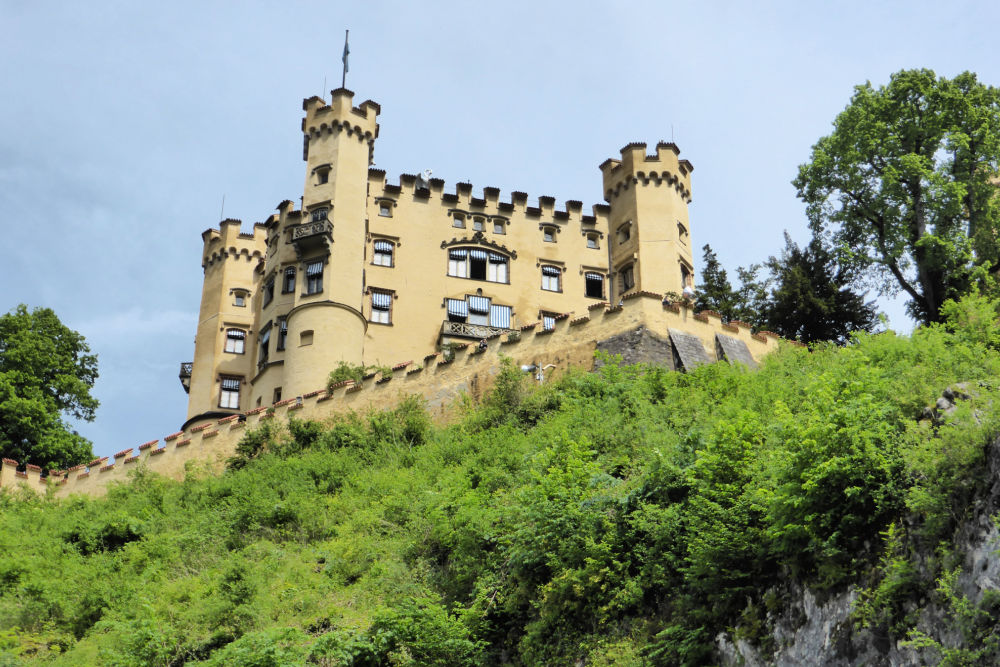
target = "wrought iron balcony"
x: 185, y: 375
x: 466, y: 330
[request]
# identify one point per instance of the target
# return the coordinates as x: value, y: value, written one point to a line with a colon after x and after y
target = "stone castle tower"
x: 368, y: 272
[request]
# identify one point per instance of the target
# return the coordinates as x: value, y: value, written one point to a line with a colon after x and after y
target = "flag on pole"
x: 347, y: 50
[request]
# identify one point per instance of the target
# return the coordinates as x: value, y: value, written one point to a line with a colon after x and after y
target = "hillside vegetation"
x: 621, y: 517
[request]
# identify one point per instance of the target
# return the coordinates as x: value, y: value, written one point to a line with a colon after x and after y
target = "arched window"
x: 478, y: 264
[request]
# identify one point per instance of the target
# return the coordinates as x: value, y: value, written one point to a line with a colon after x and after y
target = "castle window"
x: 276, y: 395
x: 235, y: 340
x: 381, y: 307
x: 385, y: 209
x: 239, y: 298
x: 322, y: 176
x: 229, y: 392
x: 496, y: 269
x: 682, y: 232
x: 382, y: 255
x: 319, y: 214
x: 498, y: 227
x: 625, y: 232
x: 595, y: 285
x: 549, y: 234
x: 265, y: 339
x: 458, y: 263
x: 306, y: 338
x: 479, y: 310
x: 458, y: 221
x: 592, y: 241
x: 478, y: 224
x: 282, y: 333
x: 548, y: 321
x: 314, y: 277
x: 686, y: 277
x: 288, y: 282
x: 551, y: 278
x: 268, y: 292
x: 628, y: 278
x: 478, y: 264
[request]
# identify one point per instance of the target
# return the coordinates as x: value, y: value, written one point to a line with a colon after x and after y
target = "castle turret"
x: 223, y: 364
x: 650, y: 242
x: 324, y: 245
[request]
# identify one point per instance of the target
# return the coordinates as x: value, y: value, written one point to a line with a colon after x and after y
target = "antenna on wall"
x: 323, y: 94
x: 671, y: 133
x: 222, y: 210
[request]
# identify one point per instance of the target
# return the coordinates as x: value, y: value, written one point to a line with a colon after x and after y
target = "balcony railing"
x: 185, y: 375
x: 466, y: 330
x: 307, y: 229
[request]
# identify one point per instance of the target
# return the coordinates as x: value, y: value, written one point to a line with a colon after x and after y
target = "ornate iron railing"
x: 308, y: 229
x: 466, y: 330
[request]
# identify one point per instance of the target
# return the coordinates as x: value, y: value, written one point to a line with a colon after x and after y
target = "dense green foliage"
x: 625, y: 517
x: 46, y: 371
x: 804, y: 296
x: 810, y: 299
x: 904, y: 186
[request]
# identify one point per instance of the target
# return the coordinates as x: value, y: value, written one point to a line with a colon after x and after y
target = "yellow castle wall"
x: 570, y: 344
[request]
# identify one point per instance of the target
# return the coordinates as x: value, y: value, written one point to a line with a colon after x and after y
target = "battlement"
x: 340, y: 114
x: 637, y: 166
x: 464, y: 200
x: 441, y: 378
x: 228, y: 241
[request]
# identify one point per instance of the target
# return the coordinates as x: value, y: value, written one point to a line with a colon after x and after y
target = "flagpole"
x: 347, y: 51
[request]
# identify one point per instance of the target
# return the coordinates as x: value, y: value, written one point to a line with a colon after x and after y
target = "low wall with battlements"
x: 437, y: 378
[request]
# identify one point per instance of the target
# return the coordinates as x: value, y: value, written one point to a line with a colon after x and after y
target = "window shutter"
x: 231, y: 384
x: 458, y: 254
x: 478, y: 254
x: 550, y: 271
x: 479, y: 304
x: 594, y: 276
x: 314, y: 269
x: 381, y: 300
x: 236, y: 334
x: 383, y: 246
x: 500, y: 316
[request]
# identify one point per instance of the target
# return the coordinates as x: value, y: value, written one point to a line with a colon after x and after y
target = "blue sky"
x: 124, y: 124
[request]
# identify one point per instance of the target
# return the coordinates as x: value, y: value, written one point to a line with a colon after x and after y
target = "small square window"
x: 239, y: 300
x: 478, y: 224
x: 625, y: 232
x: 498, y: 228
x: 235, y: 341
x: 549, y: 235
x: 306, y: 338
x: 319, y: 214
x: 385, y: 209
x: 592, y: 241
x: 458, y: 221
x: 551, y: 277
x: 322, y: 177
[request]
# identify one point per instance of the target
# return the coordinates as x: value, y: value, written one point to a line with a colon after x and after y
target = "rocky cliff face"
x: 808, y: 630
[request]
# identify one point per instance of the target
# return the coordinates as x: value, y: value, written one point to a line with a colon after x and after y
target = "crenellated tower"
x: 649, y: 234
x: 225, y: 321
x: 319, y: 319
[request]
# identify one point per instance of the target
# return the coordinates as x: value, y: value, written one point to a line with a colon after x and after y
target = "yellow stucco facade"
x: 371, y: 272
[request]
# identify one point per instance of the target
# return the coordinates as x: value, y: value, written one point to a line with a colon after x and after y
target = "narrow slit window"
x: 282, y: 333
x: 288, y: 280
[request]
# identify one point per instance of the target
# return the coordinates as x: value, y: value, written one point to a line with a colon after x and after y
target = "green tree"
x: 810, y: 300
x: 715, y: 291
x: 46, y: 371
x: 904, y: 186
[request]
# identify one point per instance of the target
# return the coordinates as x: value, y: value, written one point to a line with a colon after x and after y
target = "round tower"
x: 650, y: 239
x: 222, y: 368
x: 325, y: 243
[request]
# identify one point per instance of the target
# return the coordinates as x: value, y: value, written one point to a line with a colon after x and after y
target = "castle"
x: 369, y: 272
x: 431, y: 286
